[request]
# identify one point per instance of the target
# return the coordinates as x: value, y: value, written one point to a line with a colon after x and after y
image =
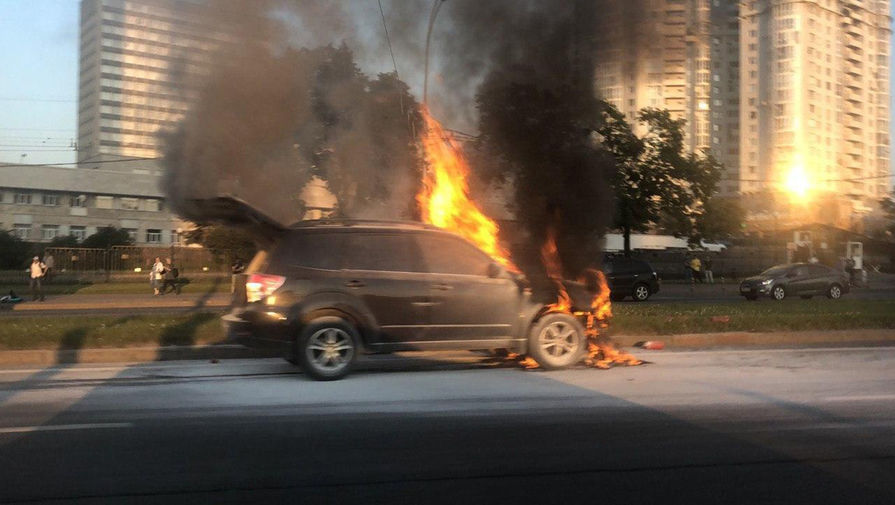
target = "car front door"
x: 385, y: 271
x: 799, y: 281
x: 467, y: 304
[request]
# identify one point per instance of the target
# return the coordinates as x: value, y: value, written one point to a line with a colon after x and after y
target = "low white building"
x: 39, y: 203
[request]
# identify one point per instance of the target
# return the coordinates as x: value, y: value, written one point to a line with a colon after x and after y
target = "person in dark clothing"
x: 170, y: 278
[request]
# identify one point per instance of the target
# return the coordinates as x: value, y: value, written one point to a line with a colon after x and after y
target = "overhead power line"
x: 85, y: 162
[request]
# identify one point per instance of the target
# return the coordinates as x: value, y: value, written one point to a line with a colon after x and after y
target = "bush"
x: 14, y: 253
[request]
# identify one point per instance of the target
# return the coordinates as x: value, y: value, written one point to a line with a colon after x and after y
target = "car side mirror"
x: 494, y: 270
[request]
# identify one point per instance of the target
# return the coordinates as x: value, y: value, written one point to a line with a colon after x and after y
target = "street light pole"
x: 435, y: 7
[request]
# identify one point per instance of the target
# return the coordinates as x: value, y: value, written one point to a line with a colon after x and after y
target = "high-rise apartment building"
x: 665, y: 63
x: 136, y: 57
x: 814, y: 97
x: 725, y: 92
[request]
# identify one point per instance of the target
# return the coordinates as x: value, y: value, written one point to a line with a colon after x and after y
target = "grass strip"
x: 80, y: 332
x: 765, y: 315
x: 117, y: 288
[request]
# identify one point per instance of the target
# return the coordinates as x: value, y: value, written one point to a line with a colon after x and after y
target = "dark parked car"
x: 630, y: 277
x: 797, y: 279
x: 329, y: 290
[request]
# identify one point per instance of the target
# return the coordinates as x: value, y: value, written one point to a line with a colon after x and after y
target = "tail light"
x: 260, y: 286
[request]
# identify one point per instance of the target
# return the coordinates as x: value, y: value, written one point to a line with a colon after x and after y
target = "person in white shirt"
x: 37, y: 270
x: 156, y: 275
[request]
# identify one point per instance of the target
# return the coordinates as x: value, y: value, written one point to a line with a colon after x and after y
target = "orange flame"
x: 444, y: 199
x: 550, y: 257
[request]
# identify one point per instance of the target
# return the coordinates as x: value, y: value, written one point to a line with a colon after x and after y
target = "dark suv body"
x: 327, y: 290
x: 630, y: 277
x: 797, y: 279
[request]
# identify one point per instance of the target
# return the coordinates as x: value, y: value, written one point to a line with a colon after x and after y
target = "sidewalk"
x: 120, y: 301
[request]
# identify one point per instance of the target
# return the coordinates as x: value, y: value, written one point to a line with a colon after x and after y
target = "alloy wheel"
x: 329, y: 350
x: 559, y: 339
x: 641, y: 292
x: 779, y: 293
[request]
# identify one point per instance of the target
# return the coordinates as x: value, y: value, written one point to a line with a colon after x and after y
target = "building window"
x: 131, y: 233
x: 23, y: 198
x: 175, y: 237
x: 104, y: 202
x: 77, y: 201
x: 78, y: 232
x: 130, y: 204
x: 51, y: 200
x: 49, y: 231
x: 153, y: 236
x: 22, y: 231
x: 152, y: 205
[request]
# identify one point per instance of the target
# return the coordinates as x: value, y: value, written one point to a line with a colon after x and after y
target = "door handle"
x: 355, y: 284
x: 443, y: 287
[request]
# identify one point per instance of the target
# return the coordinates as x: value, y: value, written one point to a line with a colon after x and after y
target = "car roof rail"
x: 362, y: 223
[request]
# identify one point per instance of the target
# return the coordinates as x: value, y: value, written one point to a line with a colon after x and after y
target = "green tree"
x: 14, y: 252
x: 65, y: 241
x: 655, y: 183
x: 721, y: 219
x: 107, y: 237
x: 364, y: 144
x: 225, y: 243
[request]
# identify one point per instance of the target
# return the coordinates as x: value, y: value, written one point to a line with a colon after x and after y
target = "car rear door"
x: 620, y: 274
x: 384, y: 270
x: 467, y: 304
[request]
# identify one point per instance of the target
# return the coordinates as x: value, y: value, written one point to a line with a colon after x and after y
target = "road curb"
x: 765, y: 339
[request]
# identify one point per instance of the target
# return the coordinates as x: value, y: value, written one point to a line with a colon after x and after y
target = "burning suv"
x: 328, y: 290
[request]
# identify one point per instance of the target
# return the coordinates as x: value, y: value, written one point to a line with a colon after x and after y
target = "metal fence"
x: 136, y: 258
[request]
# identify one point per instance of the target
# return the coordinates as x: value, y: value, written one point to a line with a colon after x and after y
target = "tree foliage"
x: 14, y: 252
x: 363, y: 141
x: 225, y: 243
x: 655, y: 182
x: 107, y: 237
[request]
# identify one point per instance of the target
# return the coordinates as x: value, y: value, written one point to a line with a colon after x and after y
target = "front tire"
x: 835, y: 292
x: 326, y: 348
x: 557, y: 341
x: 778, y: 293
x: 640, y: 293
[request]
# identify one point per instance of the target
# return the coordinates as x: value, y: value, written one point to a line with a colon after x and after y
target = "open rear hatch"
x: 231, y: 211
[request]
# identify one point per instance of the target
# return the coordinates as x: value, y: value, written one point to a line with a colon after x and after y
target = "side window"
x: 818, y: 270
x: 444, y: 254
x: 322, y: 251
x: 799, y: 272
x: 395, y: 252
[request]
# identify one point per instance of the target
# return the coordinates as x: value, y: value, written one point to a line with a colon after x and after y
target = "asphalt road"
x: 812, y: 426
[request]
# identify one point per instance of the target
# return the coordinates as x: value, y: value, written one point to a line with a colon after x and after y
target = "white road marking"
x: 858, y: 398
x: 64, y: 427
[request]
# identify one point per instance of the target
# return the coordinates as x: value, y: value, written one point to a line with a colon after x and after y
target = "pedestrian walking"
x: 156, y: 275
x: 170, y: 278
x: 37, y: 270
x: 707, y: 268
x: 696, y: 266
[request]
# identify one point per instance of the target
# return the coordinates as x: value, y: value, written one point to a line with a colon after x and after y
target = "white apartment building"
x: 814, y: 98
x: 662, y: 60
x: 40, y: 203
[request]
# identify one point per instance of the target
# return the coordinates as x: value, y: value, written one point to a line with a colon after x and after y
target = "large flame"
x: 444, y: 202
x: 444, y: 199
x: 550, y: 257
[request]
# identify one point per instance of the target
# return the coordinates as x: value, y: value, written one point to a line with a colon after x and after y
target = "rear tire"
x: 557, y: 341
x: 835, y: 292
x: 326, y: 348
x: 640, y: 293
